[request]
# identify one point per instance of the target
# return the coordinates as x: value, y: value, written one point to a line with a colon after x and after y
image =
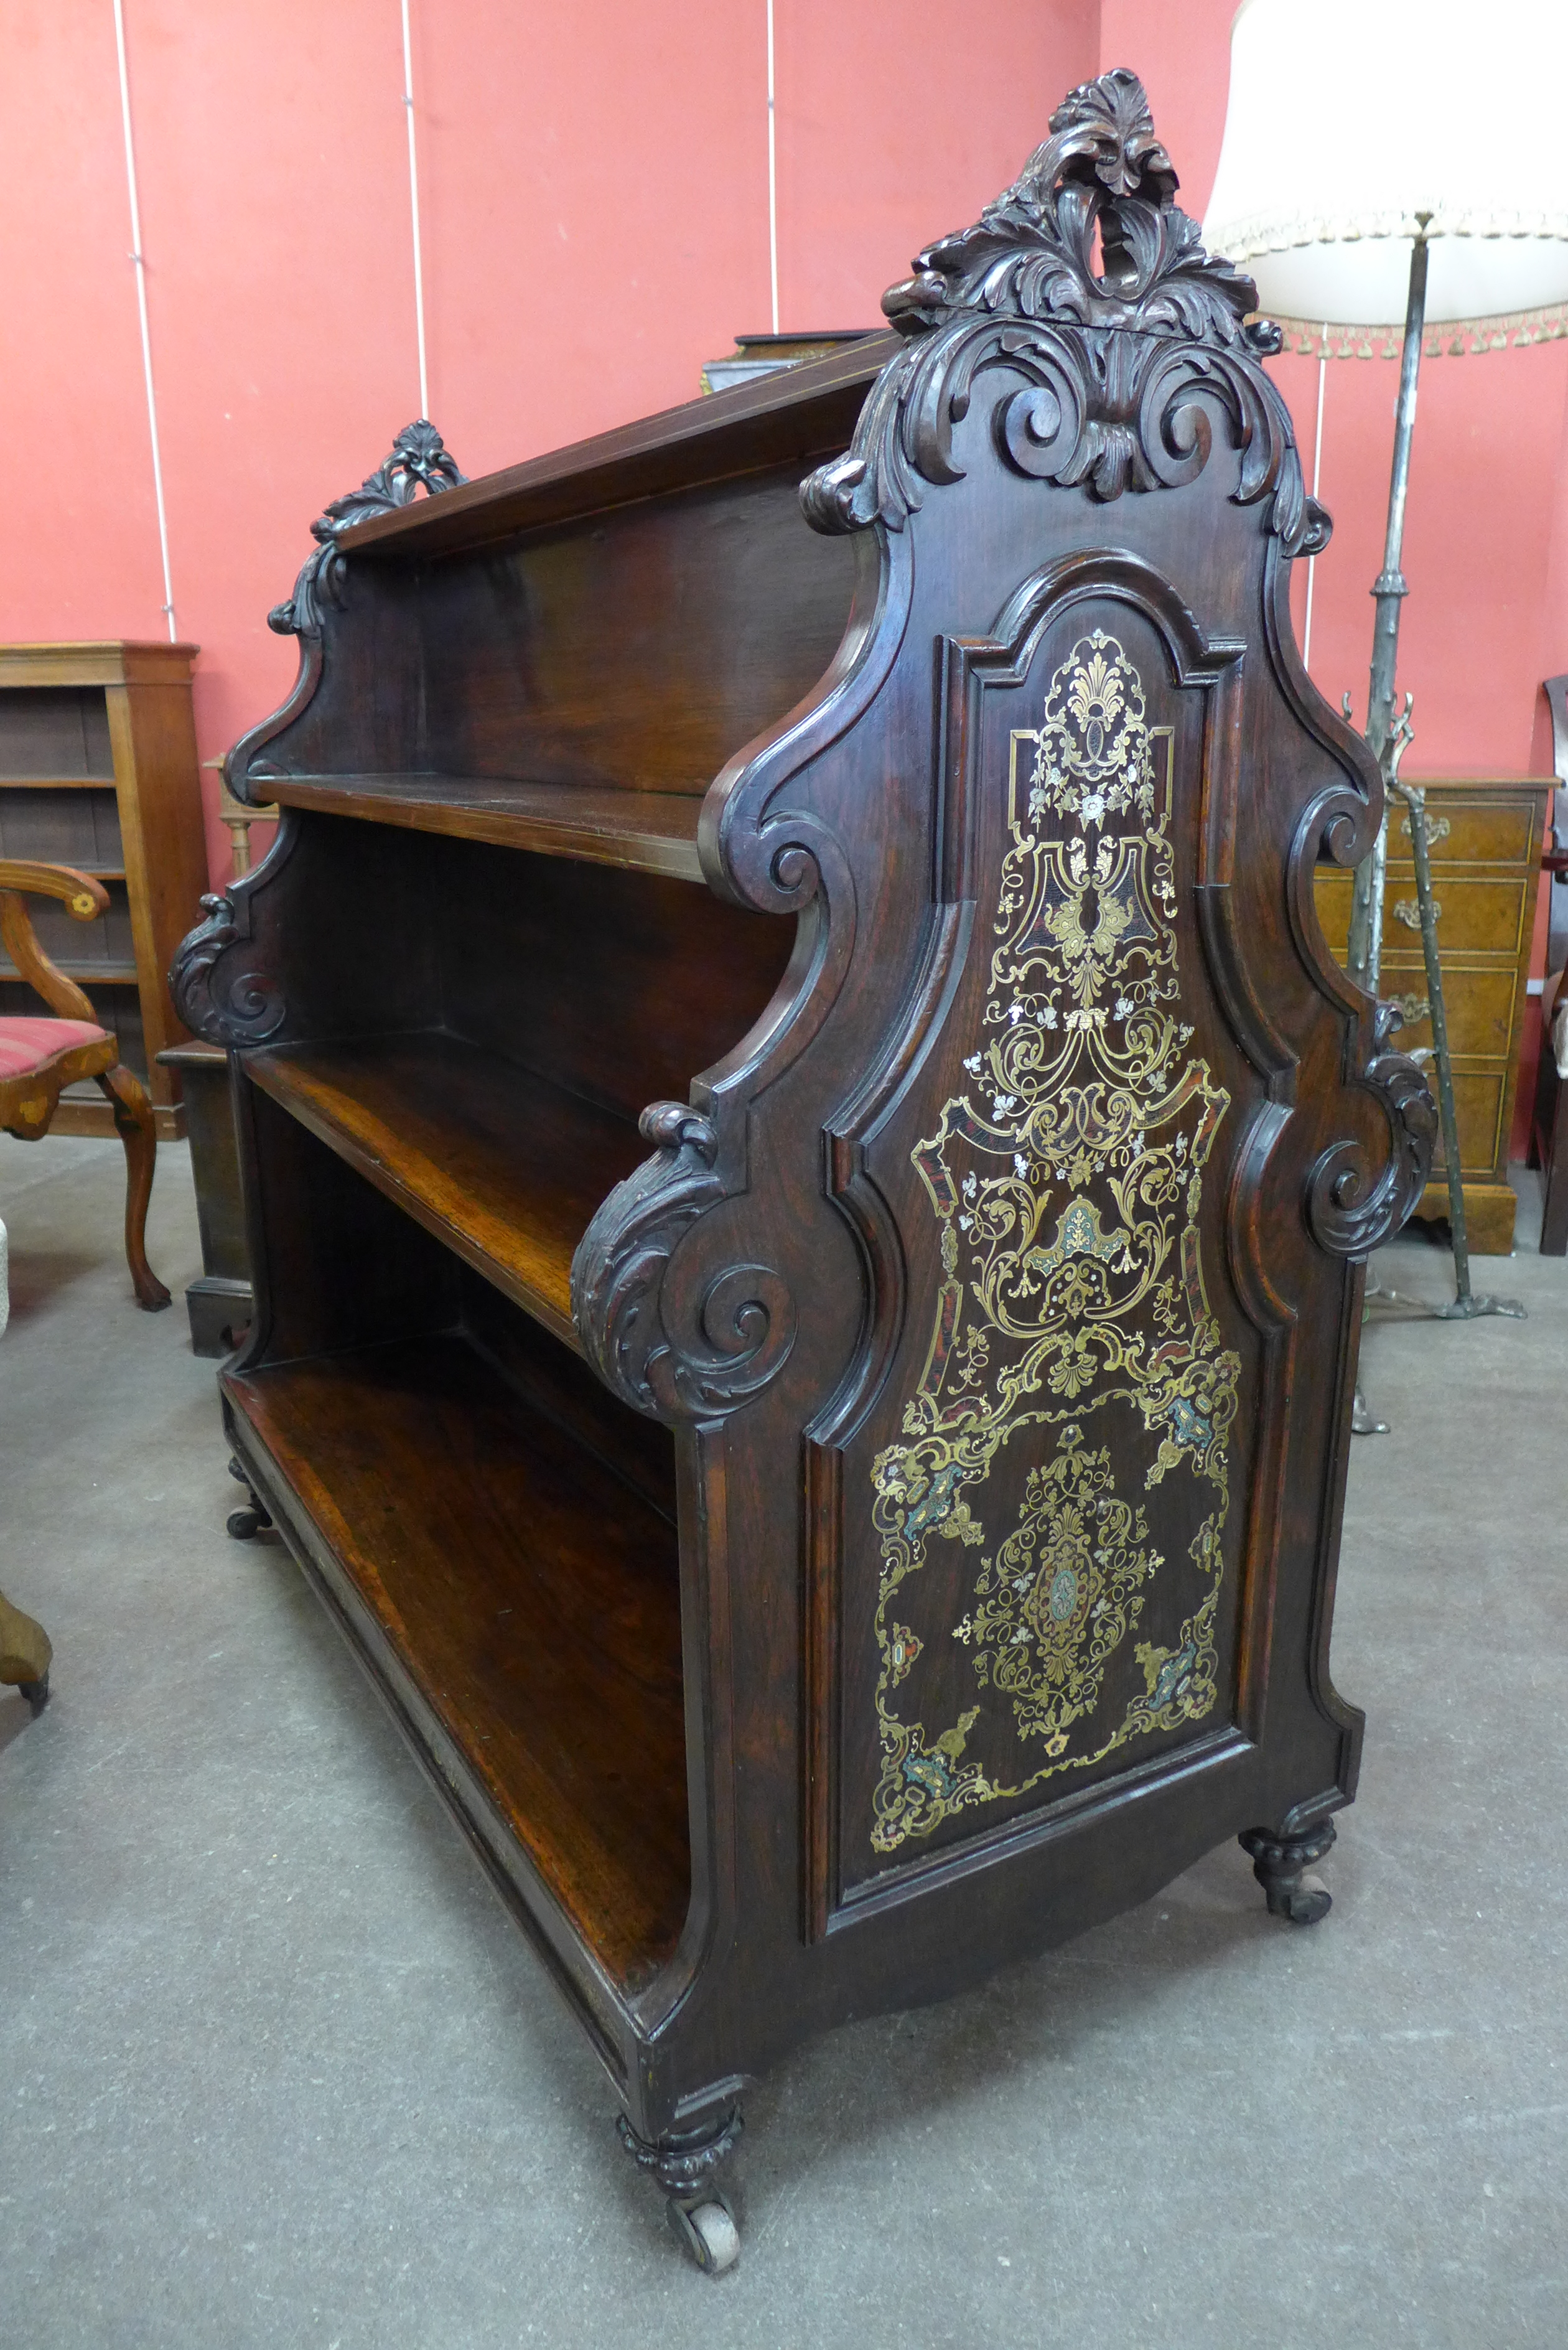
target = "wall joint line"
x: 414, y: 209
x: 139, y: 262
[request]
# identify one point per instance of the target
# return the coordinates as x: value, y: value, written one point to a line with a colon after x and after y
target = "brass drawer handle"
x: 1411, y: 1008
x: 1438, y: 828
x: 1409, y: 912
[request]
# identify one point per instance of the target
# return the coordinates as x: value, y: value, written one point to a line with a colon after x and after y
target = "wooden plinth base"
x: 1488, y: 1214
x: 220, y: 1313
x: 96, y: 1117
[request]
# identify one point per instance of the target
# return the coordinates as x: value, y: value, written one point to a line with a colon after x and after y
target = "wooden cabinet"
x: 807, y: 1167
x: 1485, y: 864
x: 98, y: 769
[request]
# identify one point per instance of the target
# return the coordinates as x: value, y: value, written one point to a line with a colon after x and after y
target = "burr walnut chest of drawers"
x: 1486, y: 868
x: 808, y: 1168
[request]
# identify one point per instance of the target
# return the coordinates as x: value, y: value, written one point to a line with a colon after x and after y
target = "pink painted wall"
x: 593, y: 183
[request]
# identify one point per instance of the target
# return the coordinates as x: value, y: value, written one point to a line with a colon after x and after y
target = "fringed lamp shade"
x: 1349, y: 119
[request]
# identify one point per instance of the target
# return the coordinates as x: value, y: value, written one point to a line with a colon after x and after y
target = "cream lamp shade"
x: 1348, y: 118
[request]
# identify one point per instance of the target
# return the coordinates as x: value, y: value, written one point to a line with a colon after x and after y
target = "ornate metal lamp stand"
x: 1388, y: 738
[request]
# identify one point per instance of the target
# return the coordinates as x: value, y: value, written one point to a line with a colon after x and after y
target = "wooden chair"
x: 39, y: 1057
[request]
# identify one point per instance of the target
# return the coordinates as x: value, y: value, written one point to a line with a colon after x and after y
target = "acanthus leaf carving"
x: 675, y: 1350
x: 1130, y: 365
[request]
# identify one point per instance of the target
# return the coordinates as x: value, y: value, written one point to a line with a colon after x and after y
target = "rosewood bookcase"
x: 807, y: 1165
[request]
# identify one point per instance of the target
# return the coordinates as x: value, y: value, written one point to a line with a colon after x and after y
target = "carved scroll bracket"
x: 418, y: 456
x: 675, y: 1343
x: 1350, y: 1212
x: 221, y: 980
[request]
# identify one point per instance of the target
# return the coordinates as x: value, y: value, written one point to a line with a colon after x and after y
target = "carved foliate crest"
x: 418, y: 455
x: 1131, y: 352
x: 1031, y: 253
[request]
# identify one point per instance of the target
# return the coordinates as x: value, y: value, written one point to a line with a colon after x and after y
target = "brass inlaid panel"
x: 1066, y: 1183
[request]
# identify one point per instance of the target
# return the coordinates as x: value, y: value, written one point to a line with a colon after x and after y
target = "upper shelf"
x: 802, y: 411
x: 652, y: 832
x: 503, y: 1166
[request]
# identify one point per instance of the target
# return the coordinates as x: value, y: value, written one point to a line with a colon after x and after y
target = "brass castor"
x: 707, y: 2231
x: 702, y: 2217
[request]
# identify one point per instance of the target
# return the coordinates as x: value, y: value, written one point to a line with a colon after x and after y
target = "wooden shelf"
x: 532, y: 1598
x: 794, y: 416
x: 653, y: 832
x: 503, y: 1166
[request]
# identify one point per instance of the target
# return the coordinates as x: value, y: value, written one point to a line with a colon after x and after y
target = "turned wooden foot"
x: 702, y: 2220
x: 1280, y: 1864
x: 133, y: 1123
x: 25, y: 1653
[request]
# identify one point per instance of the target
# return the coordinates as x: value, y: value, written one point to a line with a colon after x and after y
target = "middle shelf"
x: 647, y: 831
x: 502, y: 1166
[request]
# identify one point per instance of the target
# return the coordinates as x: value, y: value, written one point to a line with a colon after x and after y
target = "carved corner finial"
x: 417, y: 455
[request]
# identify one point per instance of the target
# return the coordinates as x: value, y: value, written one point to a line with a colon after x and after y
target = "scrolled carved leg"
x: 700, y: 2215
x: 1280, y: 1864
x: 133, y: 1123
x: 25, y: 1653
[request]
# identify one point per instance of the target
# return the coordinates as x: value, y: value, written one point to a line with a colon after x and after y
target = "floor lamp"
x: 1356, y: 189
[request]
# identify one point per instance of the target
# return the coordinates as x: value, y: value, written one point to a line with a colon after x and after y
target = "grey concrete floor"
x: 275, y: 2068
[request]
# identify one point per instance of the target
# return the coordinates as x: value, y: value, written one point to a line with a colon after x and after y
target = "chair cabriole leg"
x: 133, y: 1123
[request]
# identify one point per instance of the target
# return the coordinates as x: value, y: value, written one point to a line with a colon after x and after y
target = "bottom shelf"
x: 533, y: 1597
